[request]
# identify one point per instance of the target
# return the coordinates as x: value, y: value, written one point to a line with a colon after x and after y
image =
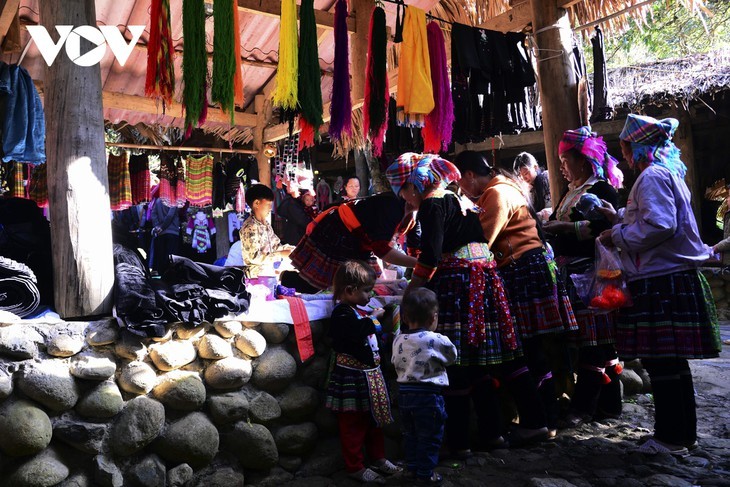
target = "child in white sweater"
x: 420, y: 357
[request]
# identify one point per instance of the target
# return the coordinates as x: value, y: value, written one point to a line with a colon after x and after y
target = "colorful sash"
x: 379, y: 399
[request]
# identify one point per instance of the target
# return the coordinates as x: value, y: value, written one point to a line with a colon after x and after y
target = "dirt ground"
x: 596, y: 454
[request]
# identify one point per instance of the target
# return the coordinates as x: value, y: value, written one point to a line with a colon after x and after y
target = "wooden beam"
x: 142, y: 104
x: 11, y: 41
x: 172, y: 148
x: 613, y: 15
x: 8, y: 11
x: 272, y: 8
x: 567, y: 3
x: 264, y: 164
x: 513, y: 20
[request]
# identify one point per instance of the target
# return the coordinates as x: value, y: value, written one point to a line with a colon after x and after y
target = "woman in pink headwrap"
x: 592, y: 175
x: 455, y: 262
x: 673, y: 317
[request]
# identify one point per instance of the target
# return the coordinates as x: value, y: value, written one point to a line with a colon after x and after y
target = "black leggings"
x: 674, y: 400
x: 595, y: 392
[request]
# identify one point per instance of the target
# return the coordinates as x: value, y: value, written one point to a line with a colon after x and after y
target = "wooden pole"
x: 684, y: 141
x: 361, y: 10
x: 80, y: 215
x: 172, y: 148
x: 258, y: 140
x: 557, y: 82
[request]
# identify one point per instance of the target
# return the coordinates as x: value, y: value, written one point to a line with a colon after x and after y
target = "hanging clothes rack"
x: 171, y: 148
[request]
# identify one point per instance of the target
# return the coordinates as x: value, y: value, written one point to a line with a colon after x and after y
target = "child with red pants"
x: 356, y: 391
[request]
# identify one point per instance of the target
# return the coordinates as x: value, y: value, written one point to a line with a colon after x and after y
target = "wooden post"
x: 362, y: 10
x: 361, y: 171
x: 80, y: 215
x: 258, y: 140
x: 685, y: 142
x: 557, y: 81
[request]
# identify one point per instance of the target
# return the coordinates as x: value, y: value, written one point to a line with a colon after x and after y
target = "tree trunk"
x: 684, y: 141
x: 557, y: 81
x: 77, y: 174
x: 361, y: 171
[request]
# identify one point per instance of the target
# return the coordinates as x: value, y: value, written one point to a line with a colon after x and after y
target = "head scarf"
x: 422, y: 170
x: 593, y: 148
x: 651, y: 142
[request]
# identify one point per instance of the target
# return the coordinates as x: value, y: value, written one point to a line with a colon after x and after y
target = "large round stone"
x: 43, y: 470
x: 179, y: 476
x: 93, y: 365
x: 213, y: 347
x: 228, y: 329
x: 107, y: 473
x: 229, y: 373
x: 65, y: 345
x: 50, y: 383
x: 263, y: 408
x: 26, y: 428
x: 173, y: 354
x: 251, y: 342
x: 130, y: 346
x: 217, y: 476
x: 274, y: 332
x: 6, y: 384
x: 632, y: 382
x: 103, y: 401
x: 19, y: 342
x: 299, y: 403
x: 180, y: 390
x: 148, y: 472
x: 137, y: 378
x: 253, y: 445
x: 314, y: 373
x: 228, y: 408
x: 192, y: 440
x: 185, y: 333
x: 296, y: 439
x: 274, y: 371
x: 85, y: 437
x: 139, y: 423
x: 102, y: 332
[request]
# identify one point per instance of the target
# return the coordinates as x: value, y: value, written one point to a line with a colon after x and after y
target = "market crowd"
x: 491, y: 309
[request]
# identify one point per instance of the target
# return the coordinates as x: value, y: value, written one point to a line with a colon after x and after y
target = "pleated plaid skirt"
x: 537, y: 296
x: 673, y: 316
x: 318, y: 255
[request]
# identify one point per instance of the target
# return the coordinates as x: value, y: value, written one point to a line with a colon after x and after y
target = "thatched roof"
x: 671, y: 81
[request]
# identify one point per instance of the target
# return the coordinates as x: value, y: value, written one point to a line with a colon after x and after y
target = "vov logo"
x: 101, y: 37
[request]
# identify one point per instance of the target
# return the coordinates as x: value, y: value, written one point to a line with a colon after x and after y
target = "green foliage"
x: 672, y: 32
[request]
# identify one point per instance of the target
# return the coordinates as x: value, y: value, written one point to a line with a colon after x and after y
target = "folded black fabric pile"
x: 18, y: 288
x: 192, y: 292
x: 134, y: 298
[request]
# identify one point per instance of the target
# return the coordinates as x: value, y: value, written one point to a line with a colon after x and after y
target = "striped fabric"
x: 38, y: 185
x: 538, y: 300
x: 167, y: 189
x: 199, y: 181
x: 673, y: 316
x: 180, y: 186
x: 17, y: 188
x: 651, y: 141
x: 120, y: 185
x: 139, y: 172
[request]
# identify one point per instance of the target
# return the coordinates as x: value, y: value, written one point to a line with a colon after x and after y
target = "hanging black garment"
x: 602, y: 108
x: 463, y: 46
x: 219, y: 185
x: 580, y: 69
x: 523, y: 70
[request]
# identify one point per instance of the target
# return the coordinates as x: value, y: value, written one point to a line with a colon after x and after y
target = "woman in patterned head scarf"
x: 591, y: 173
x: 673, y: 316
x: 456, y: 263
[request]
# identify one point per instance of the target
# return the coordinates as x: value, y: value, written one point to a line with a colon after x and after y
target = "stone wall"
x: 82, y: 404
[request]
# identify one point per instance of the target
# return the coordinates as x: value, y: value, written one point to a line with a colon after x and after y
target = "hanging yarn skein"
x: 439, y: 123
x: 310, y: 82
x: 238, y: 97
x: 375, y: 113
x: 285, y: 95
x: 195, y: 65
x: 224, y: 56
x: 160, y: 79
x: 341, y: 105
